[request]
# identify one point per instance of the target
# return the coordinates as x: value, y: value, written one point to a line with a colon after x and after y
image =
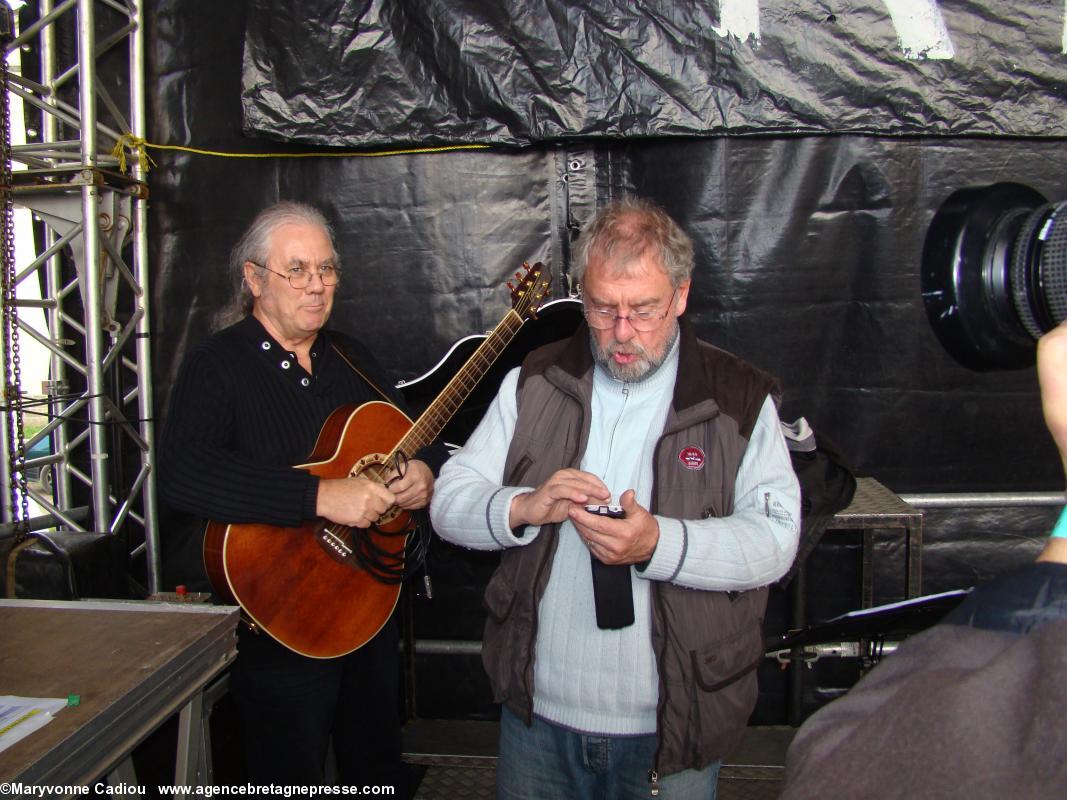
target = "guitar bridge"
x: 336, y: 544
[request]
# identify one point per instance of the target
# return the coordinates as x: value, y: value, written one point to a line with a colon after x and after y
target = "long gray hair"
x: 254, y: 246
x: 629, y: 228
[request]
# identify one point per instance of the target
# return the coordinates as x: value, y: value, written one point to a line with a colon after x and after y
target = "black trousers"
x: 292, y: 706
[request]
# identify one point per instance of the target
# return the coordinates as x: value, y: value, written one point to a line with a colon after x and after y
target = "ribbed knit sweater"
x: 587, y: 679
x: 241, y: 413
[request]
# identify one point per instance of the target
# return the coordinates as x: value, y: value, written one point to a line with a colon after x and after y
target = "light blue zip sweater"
x: 585, y: 678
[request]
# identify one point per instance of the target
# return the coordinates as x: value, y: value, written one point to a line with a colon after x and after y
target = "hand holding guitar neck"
x: 414, y: 488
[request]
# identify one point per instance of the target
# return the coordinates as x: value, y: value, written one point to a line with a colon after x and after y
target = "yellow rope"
x: 128, y: 140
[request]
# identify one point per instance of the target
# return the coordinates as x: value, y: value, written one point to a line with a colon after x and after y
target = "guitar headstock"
x: 532, y: 286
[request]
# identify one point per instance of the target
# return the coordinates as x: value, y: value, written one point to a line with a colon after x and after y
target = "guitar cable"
x: 386, y: 566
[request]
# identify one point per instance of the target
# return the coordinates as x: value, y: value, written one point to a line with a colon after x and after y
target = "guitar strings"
x: 390, y: 566
x: 382, y: 563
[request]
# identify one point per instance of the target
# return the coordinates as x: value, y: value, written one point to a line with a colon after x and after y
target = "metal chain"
x: 13, y: 418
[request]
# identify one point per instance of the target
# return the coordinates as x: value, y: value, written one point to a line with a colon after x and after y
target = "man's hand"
x: 551, y: 501
x: 618, y: 541
x: 1052, y: 372
x: 356, y: 502
x: 415, y: 489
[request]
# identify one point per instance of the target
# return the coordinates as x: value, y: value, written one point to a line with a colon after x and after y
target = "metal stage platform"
x: 459, y: 758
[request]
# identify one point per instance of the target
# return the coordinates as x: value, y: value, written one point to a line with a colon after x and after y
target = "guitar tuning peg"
x: 518, y: 276
x: 512, y: 288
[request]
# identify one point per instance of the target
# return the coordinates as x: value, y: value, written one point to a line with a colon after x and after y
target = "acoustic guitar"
x: 303, y: 586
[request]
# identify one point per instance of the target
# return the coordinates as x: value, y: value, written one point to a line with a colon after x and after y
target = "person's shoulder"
x: 354, y: 350
x: 1017, y: 601
x: 738, y: 387
x: 547, y: 353
x: 570, y: 354
x: 346, y: 342
x: 225, y: 343
x: 223, y: 350
x: 720, y: 360
x: 356, y: 355
x: 900, y: 725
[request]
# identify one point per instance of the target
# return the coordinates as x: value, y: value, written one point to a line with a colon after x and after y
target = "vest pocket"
x: 727, y: 660
x: 501, y: 647
x: 721, y: 694
x: 500, y: 595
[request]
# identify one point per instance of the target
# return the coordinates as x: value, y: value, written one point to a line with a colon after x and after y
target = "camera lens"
x: 1039, y: 270
x: 994, y: 276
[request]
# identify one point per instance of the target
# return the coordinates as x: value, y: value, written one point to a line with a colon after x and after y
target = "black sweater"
x: 242, y: 412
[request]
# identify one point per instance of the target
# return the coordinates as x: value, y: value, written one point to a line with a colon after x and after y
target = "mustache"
x: 628, y: 349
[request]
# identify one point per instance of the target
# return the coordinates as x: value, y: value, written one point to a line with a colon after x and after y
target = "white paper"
x: 21, y: 716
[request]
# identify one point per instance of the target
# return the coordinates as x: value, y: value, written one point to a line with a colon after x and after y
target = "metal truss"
x: 82, y: 86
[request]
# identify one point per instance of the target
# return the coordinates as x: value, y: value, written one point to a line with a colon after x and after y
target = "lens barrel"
x: 994, y: 274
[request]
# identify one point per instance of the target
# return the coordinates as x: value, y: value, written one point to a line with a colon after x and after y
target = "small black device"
x: 613, y: 593
x: 615, y: 512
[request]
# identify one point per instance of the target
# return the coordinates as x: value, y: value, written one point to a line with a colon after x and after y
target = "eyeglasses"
x: 603, y: 319
x: 300, y: 278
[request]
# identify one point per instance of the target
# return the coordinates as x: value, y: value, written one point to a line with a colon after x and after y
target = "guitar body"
x: 292, y: 582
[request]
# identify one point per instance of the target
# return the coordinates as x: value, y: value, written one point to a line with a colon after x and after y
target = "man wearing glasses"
x: 248, y: 404
x: 624, y: 649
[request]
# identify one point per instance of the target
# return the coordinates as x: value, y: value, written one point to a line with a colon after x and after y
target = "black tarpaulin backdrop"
x: 808, y: 245
x: 515, y: 72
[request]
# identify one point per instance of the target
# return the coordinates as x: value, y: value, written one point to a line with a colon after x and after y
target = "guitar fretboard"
x: 440, y: 411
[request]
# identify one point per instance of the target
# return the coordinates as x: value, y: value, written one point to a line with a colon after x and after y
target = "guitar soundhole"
x: 389, y: 515
x: 375, y: 467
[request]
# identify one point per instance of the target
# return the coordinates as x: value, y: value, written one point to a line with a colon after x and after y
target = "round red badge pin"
x: 692, y: 457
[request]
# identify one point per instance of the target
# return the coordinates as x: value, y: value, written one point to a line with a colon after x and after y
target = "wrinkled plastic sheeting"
x: 808, y: 262
x: 347, y: 73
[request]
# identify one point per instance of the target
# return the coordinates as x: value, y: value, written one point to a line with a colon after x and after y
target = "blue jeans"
x: 545, y: 762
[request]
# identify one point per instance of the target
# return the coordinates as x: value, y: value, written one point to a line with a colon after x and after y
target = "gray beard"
x: 640, y: 370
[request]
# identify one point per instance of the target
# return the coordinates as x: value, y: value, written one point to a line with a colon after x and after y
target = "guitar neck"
x: 433, y: 420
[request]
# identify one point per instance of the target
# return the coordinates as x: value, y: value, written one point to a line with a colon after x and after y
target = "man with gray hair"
x: 248, y: 404
x: 637, y: 484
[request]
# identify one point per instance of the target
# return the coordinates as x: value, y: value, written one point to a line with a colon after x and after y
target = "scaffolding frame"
x: 89, y: 202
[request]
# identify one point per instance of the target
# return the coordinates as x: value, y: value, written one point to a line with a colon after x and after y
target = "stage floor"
x: 459, y: 758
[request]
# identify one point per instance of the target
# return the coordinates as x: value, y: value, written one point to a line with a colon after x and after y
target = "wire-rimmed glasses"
x: 642, y: 320
x: 300, y: 277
